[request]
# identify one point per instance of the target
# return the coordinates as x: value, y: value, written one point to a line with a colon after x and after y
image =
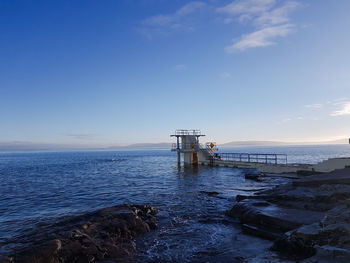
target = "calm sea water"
x: 40, y: 187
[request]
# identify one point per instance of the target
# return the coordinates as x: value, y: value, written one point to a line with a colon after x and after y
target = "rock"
x: 309, y: 218
x: 105, y: 234
x: 306, y: 172
x: 253, y: 176
x: 332, y: 254
x: 296, y: 248
x: 275, y: 218
x: 336, y: 177
x: 212, y: 193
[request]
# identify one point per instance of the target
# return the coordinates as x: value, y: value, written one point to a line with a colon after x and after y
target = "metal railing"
x: 188, y: 132
x: 269, y: 158
x: 185, y: 146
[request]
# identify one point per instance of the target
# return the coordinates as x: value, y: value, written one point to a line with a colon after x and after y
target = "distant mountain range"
x: 28, y: 146
x: 276, y: 143
x: 145, y: 145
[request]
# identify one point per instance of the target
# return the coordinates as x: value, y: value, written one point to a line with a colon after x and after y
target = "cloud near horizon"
x: 345, y: 110
x: 81, y: 136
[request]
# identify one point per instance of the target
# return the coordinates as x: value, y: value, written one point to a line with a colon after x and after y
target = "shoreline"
x: 308, y: 219
x: 305, y: 219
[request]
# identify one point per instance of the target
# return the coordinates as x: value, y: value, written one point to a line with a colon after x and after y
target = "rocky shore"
x: 308, y: 219
x: 106, y: 234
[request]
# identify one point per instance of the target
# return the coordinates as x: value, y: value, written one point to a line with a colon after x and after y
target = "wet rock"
x: 279, y: 219
x: 104, y: 234
x: 306, y: 172
x: 253, y: 176
x: 295, y: 247
x: 309, y: 219
x: 341, y: 176
x: 331, y: 254
x: 213, y: 193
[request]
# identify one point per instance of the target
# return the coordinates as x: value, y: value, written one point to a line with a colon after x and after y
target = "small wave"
x: 112, y: 160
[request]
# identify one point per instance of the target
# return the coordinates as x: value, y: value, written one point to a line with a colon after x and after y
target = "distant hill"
x: 253, y: 143
x: 276, y: 143
x: 150, y: 145
x: 28, y: 146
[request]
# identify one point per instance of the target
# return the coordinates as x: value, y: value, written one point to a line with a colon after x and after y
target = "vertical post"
x: 275, y: 158
x: 178, y: 158
x: 266, y: 158
x: 178, y: 143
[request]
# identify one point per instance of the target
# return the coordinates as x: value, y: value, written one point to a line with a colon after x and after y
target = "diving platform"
x: 196, y: 153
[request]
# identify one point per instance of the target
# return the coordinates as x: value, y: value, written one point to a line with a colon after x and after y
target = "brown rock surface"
x: 105, y: 234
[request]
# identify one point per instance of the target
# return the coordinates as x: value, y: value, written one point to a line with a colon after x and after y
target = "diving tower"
x: 194, y: 153
x: 187, y: 143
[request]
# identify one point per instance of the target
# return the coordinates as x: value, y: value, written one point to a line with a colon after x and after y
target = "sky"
x: 105, y: 73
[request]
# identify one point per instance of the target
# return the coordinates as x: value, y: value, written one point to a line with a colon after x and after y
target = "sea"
x: 41, y: 187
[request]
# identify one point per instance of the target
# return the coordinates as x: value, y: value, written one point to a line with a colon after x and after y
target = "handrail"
x: 188, y: 132
x: 269, y: 158
x: 185, y: 146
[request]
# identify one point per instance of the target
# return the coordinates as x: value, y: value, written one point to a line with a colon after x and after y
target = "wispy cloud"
x: 314, y: 106
x: 271, y: 20
x: 180, y: 67
x: 81, y: 136
x: 344, y: 110
x: 174, y: 21
x: 225, y: 75
x: 246, y: 9
x: 286, y: 120
x: 261, y: 38
x: 277, y: 15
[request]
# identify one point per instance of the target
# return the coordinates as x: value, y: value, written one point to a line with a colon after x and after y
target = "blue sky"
x: 102, y: 73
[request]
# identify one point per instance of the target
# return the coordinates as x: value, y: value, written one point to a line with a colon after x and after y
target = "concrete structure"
x: 187, y: 143
x: 322, y: 167
x: 194, y: 153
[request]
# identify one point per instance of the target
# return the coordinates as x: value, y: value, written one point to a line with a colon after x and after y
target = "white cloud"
x: 345, y: 110
x: 174, y: 20
x: 286, y: 120
x: 276, y: 16
x: 261, y: 38
x: 269, y: 17
x: 314, y: 106
x: 246, y: 9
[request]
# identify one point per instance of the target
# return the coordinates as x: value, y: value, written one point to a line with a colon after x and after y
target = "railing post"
x: 266, y: 158
x: 275, y: 158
